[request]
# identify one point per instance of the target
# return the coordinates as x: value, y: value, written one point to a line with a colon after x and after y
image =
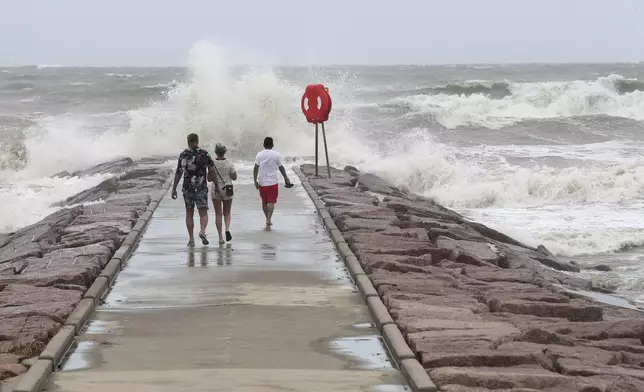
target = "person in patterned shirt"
x: 197, y: 168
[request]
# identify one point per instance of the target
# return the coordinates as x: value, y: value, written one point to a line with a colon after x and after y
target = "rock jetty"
x: 46, y: 268
x: 480, y: 310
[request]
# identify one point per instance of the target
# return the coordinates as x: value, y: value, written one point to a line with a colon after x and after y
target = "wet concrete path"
x: 269, y: 311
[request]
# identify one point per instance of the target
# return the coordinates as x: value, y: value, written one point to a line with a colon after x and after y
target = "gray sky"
x: 300, y: 32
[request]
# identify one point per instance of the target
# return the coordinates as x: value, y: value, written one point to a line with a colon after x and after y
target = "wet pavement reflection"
x: 266, y: 300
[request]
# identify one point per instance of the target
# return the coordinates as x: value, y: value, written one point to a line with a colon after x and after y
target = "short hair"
x: 220, y: 149
x: 193, y: 138
x: 268, y: 142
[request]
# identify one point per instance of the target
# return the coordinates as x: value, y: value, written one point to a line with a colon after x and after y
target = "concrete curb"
x: 122, y: 253
x: 133, y: 235
x: 57, y: 347
x: 395, y: 342
x: 336, y: 236
x: 97, y: 290
x: 379, y: 312
x: 81, y: 313
x: 37, y: 375
x: 354, y: 267
x: 417, y: 376
x: 366, y: 287
x: 111, y: 270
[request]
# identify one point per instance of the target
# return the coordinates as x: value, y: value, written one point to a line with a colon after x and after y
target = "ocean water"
x: 548, y: 153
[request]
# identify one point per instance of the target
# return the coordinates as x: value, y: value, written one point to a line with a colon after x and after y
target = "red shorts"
x: 268, y: 194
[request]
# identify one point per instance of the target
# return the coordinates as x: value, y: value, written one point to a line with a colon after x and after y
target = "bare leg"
x: 218, y: 213
x: 203, y: 215
x: 270, y: 207
x: 190, y: 223
x: 228, y: 204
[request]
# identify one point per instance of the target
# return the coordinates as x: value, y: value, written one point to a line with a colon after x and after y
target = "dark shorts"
x: 268, y: 194
x: 197, y: 198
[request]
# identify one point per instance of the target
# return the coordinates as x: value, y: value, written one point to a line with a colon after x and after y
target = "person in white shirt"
x: 268, y: 164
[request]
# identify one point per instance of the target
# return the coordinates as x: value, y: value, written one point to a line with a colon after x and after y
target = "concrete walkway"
x: 270, y: 311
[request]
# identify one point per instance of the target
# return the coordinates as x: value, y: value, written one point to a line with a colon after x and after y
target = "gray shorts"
x: 197, y: 198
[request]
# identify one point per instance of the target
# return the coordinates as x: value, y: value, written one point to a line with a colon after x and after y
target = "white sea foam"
x: 162, y: 85
x: 119, y: 75
x: 570, y: 230
x: 26, y: 201
x: 539, y: 100
x: 578, y: 210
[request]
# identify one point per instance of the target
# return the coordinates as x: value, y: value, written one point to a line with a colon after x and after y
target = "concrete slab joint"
x: 145, y: 216
x: 140, y: 225
x: 336, y: 236
x: 379, y: 312
x: 417, y: 376
x: 396, y: 343
x: 133, y: 236
x: 365, y: 287
x: 324, y: 214
x: 59, y: 345
x: 344, y: 251
x: 81, y: 314
x: 98, y: 289
x: 122, y: 253
x: 319, y: 204
x: 112, y: 269
x: 35, y: 379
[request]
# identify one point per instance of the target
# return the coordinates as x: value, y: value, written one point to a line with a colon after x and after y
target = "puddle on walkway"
x: 99, y: 327
x: 389, y: 388
x: 80, y: 356
x: 367, y: 352
x: 363, y: 326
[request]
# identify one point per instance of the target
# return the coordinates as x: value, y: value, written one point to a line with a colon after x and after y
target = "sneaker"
x: 191, y: 244
x: 204, y: 239
x: 229, y: 237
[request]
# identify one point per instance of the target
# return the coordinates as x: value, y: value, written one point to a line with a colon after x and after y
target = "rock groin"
x: 480, y: 310
x: 46, y: 268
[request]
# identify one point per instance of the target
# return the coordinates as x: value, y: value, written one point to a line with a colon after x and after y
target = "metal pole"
x: 326, y: 151
x: 316, y: 149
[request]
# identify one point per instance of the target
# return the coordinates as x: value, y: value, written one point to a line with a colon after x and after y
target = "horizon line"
x: 339, y: 64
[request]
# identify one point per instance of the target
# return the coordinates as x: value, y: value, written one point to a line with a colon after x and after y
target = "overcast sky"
x: 301, y: 32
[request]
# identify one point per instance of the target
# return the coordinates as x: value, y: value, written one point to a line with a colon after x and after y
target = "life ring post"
x: 316, y: 105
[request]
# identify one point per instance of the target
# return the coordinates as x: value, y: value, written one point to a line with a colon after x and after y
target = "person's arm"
x: 255, y: 173
x: 282, y: 170
x: 233, y: 172
x: 177, y: 178
x: 212, y: 174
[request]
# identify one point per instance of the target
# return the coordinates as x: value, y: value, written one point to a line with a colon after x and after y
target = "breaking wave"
x: 215, y: 102
x: 500, y: 104
x: 473, y: 179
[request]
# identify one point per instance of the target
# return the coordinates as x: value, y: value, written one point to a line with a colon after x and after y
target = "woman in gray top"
x: 222, y: 198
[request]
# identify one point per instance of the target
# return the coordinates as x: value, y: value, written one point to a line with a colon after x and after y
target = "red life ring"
x: 316, y: 103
